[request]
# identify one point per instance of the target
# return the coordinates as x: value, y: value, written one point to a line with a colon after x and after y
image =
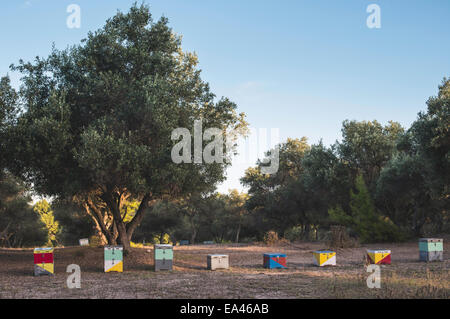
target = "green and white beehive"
x: 163, y: 257
x: 431, y: 249
x: 113, y: 258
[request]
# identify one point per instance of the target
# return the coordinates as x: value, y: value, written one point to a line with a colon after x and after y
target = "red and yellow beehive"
x: 43, y: 261
x: 379, y: 256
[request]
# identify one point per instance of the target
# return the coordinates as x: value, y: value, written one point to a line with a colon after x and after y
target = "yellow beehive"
x: 324, y: 257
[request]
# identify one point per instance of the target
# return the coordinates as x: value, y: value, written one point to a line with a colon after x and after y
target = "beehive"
x: 215, y: 261
x: 324, y: 258
x: 184, y: 242
x: 43, y: 261
x: 113, y: 258
x: 431, y: 249
x: 379, y: 256
x: 274, y: 260
x: 163, y: 257
x: 84, y: 242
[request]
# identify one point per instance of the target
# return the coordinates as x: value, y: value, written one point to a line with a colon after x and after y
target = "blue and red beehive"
x: 274, y: 260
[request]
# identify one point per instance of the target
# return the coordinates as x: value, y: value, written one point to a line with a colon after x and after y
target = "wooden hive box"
x: 163, y: 257
x: 431, y: 249
x: 324, y: 258
x: 113, y: 258
x: 215, y: 261
x: 43, y: 261
x: 184, y: 242
x: 84, y: 242
x: 379, y: 256
x: 274, y: 260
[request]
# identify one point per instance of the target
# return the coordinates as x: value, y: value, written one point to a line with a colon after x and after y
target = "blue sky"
x: 300, y: 66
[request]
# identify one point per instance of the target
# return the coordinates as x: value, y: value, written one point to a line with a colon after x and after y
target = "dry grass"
x: 405, y: 278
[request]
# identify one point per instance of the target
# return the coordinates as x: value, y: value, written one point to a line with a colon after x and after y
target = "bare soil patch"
x: 407, y: 277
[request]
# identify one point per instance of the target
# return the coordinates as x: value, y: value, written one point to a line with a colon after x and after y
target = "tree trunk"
x: 193, y: 235
x: 115, y: 232
x: 417, y: 222
x: 137, y: 219
x: 122, y: 231
x: 114, y: 205
x: 98, y: 218
x: 237, y: 233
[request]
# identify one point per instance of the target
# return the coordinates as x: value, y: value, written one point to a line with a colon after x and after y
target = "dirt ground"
x: 406, y: 277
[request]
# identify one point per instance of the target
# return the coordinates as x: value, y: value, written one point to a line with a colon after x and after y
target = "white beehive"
x: 84, y: 242
x: 218, y: 262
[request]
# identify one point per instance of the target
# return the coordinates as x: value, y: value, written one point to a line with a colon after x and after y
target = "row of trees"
x: 382, y: 182
x: 91, y: 127
x: 216, y: 217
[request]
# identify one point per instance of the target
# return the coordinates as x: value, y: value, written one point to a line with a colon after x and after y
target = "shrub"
x: 136, y: 245
x: 338, y: 237
x: 164, y: 240
x: 95, y: 241
x: 271, y: 238
x: 363, y: 218
x: 294, y: 233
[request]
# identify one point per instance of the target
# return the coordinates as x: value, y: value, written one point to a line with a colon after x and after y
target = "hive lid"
x: 113, y: 247
x: 43, y: 250
x: 217, y: 255
x: 324, y: 251
x: 275, y: 255
x: 157, y: 246
x: 379, y: 251
x: 431, y: 240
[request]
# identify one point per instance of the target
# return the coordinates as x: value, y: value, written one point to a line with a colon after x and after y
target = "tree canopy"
x: 97, y: 119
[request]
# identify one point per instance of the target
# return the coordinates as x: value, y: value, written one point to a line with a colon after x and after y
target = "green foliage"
x: 403, y: 191
x: 73, y: 223
x: 363, y: 217
x: 91, y: 126
x: 19, y: 225
x: 368, y: 146
x: 97, y: 119
x: 293, y: 234
x: 197, y: 218
x: 43, y: 209
x: 407, y: 173
x: 429, y: 138
x: 129, y: 210
x: 162, y: 219
x: 275, y: 200
x: 414, y: 186
x: 162, y: 239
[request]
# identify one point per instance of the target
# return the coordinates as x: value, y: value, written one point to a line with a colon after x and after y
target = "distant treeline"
x: 383, y: 183
x: 92, y: 127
